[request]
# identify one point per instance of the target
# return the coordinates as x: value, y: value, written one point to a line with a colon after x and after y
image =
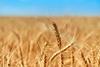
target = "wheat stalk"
x: 83, y: 58
x: 41, y: 59
x: 61, y: 50
x: 58, y: 41
x: 72, y: 58
x: 21, y: 55
x: 19, y: 48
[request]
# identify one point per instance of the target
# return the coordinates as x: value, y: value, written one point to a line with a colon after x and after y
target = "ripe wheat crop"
x: 50, y: 41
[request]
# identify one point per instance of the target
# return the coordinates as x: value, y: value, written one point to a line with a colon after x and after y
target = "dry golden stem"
x: 37, y: 39
x: 43, y: 56
x: 19, y: 47
x: 93, y: 58
x: 8, y: 61
x: 58, y: 41
x: 28, y: 55
x: 72, y: 58
x: 42, y: 51
x: 21, y: 55
x: 83, y: 58
x: 41, y: 60
x: 4, y: 61
x: 98, y: 59
x: 89, y: 62
x: 61, y: 50
x: 45, y: 61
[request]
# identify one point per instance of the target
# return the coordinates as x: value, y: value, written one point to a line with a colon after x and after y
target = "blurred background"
x: 49, y: 7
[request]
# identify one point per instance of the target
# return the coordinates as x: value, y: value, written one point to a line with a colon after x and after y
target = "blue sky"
x: 50, y: 7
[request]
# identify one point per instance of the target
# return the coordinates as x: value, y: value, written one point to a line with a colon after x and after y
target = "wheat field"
x: 50, y: 41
